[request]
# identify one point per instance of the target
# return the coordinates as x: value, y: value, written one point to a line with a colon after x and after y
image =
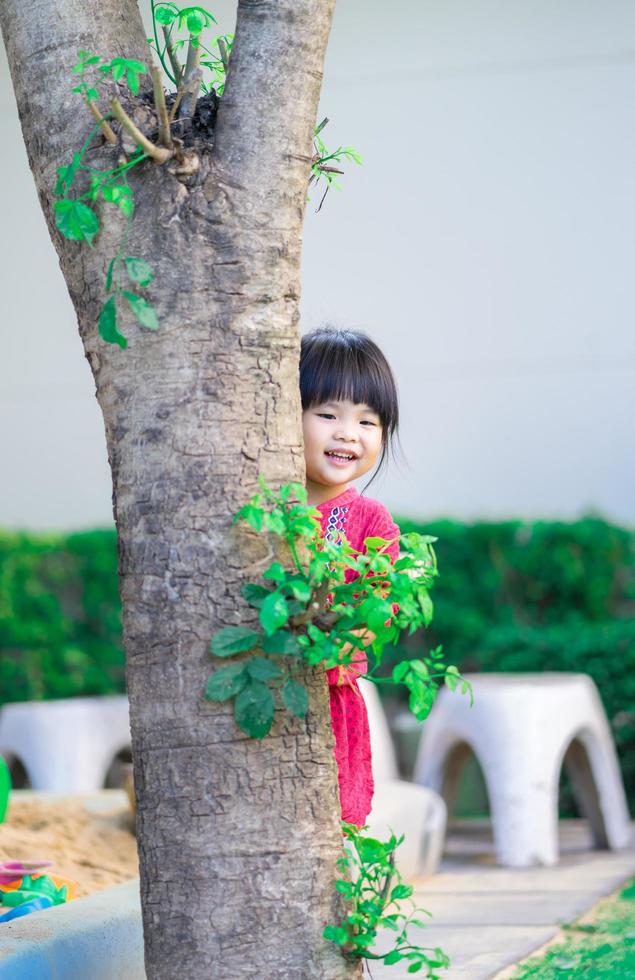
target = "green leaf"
x: 226, y: 682
x: 195, y: 22
x: 144, y: 312
x: 261, y: 669
x: 420, y: 669
x: 452, y: 677
x: 234, y: 639
x: 282, y: 642
x: 400, y: 671
x: 370, y: 850
x: 254, y: 709
x: 300, y: 589
x: 128, y: 67
x: 108, y: 324
x: 276, y: 572
x: 393, y: 957
x: 379, y: 612
x: 363, y: 940
x: 336, y: 934
x: 121, y: 195
x: 252, y: 514
x: 415, y: 967
x: 111, y: 267
x: 295, y: 698
x: 66, y: 175
x: 401, y: 891
x: 133, y: 81
x: 75, y: 220
x: 421, y: 701
x: 254, y: 595
x: 139, y: 270
x: 376, y: 544
x: 344, y: 888
x: 274, y: 613
x: 427, y: 608
x: 274, y: 522
x: 163, y: 15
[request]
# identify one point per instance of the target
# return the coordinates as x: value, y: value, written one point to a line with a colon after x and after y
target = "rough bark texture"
x: 237, y: 838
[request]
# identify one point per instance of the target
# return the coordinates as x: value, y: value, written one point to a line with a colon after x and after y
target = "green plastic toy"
x: 31, y: 888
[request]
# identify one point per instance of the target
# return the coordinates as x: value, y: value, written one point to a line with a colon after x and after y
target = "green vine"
x: 374, y: 889
x: 81, y: 187
x: 308, y: 615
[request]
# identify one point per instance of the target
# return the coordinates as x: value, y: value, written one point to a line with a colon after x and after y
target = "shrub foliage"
x: 510, y: 596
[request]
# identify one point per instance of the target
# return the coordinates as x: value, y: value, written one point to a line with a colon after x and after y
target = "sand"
x: 89, y: 839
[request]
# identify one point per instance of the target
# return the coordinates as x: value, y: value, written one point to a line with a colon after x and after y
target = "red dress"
x: 357, y: 518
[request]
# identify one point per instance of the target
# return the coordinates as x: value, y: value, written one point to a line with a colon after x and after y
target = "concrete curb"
x: 98, y: 937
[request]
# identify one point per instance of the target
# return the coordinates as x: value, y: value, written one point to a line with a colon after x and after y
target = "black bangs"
x: 346, y: 365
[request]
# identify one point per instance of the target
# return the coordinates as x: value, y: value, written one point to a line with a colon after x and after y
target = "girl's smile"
x: 342, y: 441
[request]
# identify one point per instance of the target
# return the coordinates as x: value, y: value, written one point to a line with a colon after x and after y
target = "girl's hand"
x: 346, y: 673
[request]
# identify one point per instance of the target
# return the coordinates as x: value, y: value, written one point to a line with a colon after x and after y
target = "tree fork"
x: 237, y: 839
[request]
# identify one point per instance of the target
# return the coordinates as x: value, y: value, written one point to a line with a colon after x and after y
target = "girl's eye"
x: 325, y: 415
x: 368, y: 422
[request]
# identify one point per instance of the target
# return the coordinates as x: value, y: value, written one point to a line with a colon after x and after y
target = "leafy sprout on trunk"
x: 375, y: 892
x: 177, y: 31
x: 306, y: 613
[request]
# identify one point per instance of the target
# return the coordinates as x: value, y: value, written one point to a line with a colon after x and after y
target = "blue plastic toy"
x: 35, y: 905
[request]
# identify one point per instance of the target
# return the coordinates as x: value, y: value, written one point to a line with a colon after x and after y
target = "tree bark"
x: 237, y: 838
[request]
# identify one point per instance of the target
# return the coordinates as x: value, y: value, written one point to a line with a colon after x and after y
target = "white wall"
x: 486, y: 244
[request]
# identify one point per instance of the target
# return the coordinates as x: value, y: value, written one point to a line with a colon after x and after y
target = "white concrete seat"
x: 522, y: 728
x: 400, y: 806
x: 65, y: 746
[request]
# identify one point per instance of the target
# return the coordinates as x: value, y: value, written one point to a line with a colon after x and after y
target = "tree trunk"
x: 237, y: 838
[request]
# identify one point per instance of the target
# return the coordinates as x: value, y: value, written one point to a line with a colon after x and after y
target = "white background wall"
x: 486, y: 244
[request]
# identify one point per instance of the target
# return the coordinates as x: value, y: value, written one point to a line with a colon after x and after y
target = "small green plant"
x: 375, y: 893
x: 324, y: 160
x: 80, y: 186
x: 308, y: 614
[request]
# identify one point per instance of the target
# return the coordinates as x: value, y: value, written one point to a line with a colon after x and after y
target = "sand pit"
x: 88, y: 839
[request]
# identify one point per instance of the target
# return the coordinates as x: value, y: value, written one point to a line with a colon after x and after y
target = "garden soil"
x: 90, y: 841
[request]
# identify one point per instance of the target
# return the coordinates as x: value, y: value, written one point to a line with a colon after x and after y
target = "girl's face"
x: 342, y: 441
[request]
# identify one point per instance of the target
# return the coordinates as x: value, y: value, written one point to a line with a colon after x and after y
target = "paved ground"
x: 485, y: 917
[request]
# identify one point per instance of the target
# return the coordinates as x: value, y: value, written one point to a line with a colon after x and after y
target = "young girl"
x: 350, y: 414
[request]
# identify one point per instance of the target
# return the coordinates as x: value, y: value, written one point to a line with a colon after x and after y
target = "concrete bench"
x: 522, y: 729
x: 400, y: 806
x: 66, y: 746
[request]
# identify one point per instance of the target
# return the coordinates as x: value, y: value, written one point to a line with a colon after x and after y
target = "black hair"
x: 346, y: 365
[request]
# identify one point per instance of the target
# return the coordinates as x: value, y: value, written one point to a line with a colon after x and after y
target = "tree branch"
x: 191, y: 82
x: 158, y: 154
x: 254, y: 110
x: 105, y: 128
x: 174, y: 61
x: 224, y: 53
x: 165, y: 133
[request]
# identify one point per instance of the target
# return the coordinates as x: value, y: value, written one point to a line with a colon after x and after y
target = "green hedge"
x: 60, y: 617
x: 511, y: 596
x: 554, y: 596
